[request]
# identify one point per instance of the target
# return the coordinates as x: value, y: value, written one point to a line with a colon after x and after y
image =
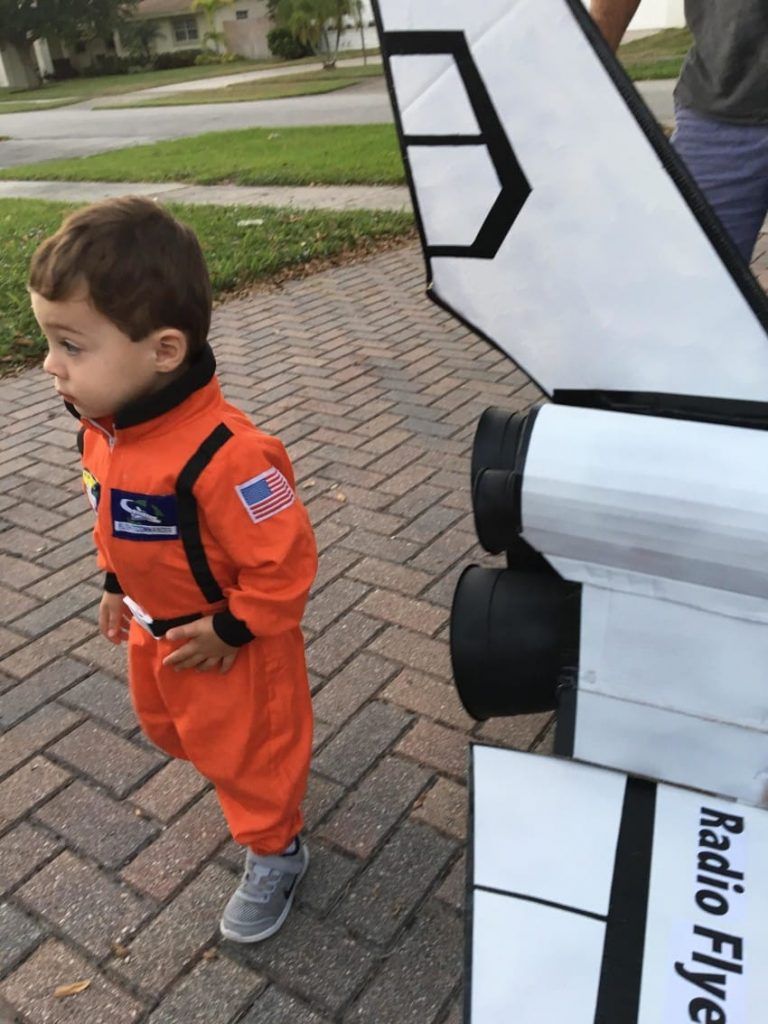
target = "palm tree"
x: 210, y: 8
x: 358, y: 9
x: 310, y: 20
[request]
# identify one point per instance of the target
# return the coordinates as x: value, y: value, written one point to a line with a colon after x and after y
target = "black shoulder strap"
x: 189, y: 521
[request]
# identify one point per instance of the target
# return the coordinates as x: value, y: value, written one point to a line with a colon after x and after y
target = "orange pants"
x: 249, y: 730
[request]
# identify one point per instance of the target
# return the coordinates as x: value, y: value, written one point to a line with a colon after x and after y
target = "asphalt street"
x: 80, y: 129
x: 83, y: 129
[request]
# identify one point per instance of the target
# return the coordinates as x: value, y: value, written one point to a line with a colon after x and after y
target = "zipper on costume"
x: 111, y: 438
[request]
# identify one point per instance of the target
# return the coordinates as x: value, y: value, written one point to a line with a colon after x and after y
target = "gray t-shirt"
x: 725, y: 75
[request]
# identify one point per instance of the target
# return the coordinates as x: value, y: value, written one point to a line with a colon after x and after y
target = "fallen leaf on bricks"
x: 71, y: 990
x: 120, y: 950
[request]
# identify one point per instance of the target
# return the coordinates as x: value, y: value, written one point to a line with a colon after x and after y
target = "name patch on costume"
x: 144, y: 516
x: 265, y: 495
x: 92, y: 489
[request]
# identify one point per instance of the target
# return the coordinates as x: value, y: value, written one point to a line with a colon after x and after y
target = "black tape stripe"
x: 443, y: 140
x: 565, y: 719
x: 618, y: 997
x: 733, y: 412
x: 515, y: 187
x: 189, y: 521
x: 527, y: 898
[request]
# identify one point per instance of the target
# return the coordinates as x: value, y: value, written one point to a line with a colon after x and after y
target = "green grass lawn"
x: 24, y: 106
x: 330, y: 155
x: 657, y: 56
x: 237, y: 255
x: 307, y: 83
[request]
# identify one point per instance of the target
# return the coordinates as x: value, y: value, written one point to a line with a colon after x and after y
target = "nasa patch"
x: 144, y: 516
x: 92, y: 489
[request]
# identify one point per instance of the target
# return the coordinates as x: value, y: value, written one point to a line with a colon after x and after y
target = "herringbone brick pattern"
x: 115, y: 863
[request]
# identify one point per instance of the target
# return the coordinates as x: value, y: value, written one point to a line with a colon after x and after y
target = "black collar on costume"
x: 193, y: 379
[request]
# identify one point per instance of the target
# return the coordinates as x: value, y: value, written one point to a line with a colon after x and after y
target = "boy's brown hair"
x: 142, y: 268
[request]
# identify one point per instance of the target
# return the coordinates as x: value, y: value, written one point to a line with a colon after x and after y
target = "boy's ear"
x: 170, y: 348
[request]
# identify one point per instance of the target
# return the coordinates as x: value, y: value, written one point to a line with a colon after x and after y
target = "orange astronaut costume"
x: 196, y: 515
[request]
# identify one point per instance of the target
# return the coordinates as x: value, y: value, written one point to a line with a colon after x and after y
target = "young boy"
x: 198, y: 530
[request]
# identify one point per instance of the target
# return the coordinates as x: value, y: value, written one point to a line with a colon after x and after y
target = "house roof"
x: 155, y: 8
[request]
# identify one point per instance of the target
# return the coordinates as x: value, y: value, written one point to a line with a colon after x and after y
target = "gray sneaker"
x: 261, y: 902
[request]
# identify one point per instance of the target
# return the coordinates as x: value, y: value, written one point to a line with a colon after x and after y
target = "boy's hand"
x: 114, y: 618
x: 203, y: 651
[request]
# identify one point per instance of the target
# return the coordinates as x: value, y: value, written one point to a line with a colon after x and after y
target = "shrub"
x: 176, y: 59
x: 63, y: 69
x: 107, y: 64
x: 282, y: 43
x: 209, y: 57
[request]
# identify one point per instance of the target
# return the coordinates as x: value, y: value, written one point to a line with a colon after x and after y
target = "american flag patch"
x: 266, y: 494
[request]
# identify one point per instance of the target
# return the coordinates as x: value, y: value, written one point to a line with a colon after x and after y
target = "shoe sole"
x: 269, y: 932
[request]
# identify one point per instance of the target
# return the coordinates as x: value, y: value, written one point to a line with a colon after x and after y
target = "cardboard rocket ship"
x: 558, y: 223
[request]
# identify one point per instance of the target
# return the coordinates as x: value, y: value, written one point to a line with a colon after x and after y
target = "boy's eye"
x: 69, y: 347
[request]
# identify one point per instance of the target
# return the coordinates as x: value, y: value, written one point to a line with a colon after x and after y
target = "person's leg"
x: 151, y: 710
x: 250, y: 732
x: 730, y: 165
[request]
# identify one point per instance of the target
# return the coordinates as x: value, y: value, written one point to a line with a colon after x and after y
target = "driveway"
x: 82, y: 129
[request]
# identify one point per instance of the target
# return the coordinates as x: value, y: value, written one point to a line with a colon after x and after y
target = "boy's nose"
x: 49, y: 365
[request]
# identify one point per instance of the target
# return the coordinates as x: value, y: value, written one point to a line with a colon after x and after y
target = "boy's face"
x: 96, y: 367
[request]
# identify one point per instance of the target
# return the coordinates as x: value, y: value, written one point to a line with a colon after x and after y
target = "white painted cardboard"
x: 534, y: 962
x: 606, y: 279
x: 559, y: 793
x: 670, y: 499
x: 664, y: 744
x: 526, y: 956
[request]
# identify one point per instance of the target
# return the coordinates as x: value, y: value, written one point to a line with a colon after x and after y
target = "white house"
x: 656, y: 14
x: 244, y: 25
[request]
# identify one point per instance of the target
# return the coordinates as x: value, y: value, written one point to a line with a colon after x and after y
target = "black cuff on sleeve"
x: 112, y: 584
x: 231, y: 630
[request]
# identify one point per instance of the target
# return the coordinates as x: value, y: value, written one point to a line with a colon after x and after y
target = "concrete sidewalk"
x: 223, y: 81
x: 320, y: 197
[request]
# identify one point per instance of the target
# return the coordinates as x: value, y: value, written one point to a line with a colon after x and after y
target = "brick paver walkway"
x: 115, y: 864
